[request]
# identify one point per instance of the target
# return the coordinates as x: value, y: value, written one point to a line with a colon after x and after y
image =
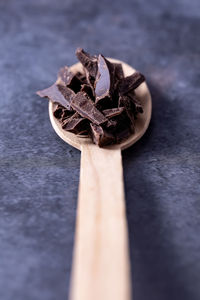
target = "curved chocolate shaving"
x: 130, y: 83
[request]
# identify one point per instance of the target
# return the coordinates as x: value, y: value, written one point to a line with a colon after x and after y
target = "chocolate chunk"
x: 66, y: 114
x: 66, y: 92
x: 58, y: 111
x: 119, y: 73
x: 88, y: 90
x: 88, y: 61
x: 118, y: 76
x: 86, y: 108
x: 127, y: 104
x: 136, y: 103
x: 112, y: 112
x: 62, y: 113
x: 54, y: 94
x: 100, y: 136
x: 130, y: 83
x: 76, y: 124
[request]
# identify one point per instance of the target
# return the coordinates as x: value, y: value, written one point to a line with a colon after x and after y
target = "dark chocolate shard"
x: 119, y: 73
x: 130, y: 83
x: 55, y: 95
x: 112, y: 112
x: 128, y: 105
x: 66, y: 92
x: 136, y: 103
x: 118, y: 76
x: 62, y: 113
x: 88, y: 61
x: 88, y: 90
x: 76, y: 124
x: 100, y: 136
x: 86, y: 108
x: 58, y: 111
x: 66, y: 114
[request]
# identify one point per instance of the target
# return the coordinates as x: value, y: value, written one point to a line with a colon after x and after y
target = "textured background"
x: 39, y: 172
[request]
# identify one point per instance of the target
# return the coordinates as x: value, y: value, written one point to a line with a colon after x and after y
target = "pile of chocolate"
x: 99, y: 102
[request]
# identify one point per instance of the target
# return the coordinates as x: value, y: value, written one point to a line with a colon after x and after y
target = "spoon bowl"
x: 141, y: 124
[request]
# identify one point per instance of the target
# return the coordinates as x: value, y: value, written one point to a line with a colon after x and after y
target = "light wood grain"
x: 101, y: 260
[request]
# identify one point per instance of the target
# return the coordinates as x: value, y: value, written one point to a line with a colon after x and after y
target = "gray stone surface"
x: 39, y: 173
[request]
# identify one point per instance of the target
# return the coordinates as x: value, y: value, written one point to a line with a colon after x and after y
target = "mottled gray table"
x: 39, y: 172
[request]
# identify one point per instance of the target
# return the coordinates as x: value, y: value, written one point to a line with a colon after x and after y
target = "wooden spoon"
x: 101, y: 268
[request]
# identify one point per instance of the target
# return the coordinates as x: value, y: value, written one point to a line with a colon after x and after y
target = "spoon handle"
x: 101, y: 260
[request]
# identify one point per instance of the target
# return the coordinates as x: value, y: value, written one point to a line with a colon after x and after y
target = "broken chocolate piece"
x: 66, y: 92
x: 76, y: 124
x: 56, y: 96
x: 136, y: 103
x: 88, y: 61
x: 58, y: 111
x: 118, y: 76
x: 130, y: 83
x: 100, y: 136
x: 112, y: 112
x: 86, y: 108
x: 128, y: 105
x: 119, y: 73
x: 88, y: 90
